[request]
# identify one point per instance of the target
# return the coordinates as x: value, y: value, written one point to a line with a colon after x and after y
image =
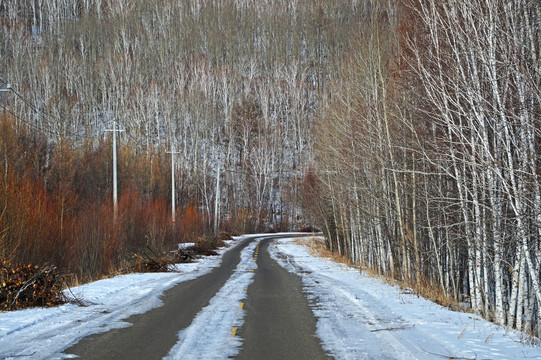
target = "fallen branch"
x: 390, y: 329
x: 22, y: 355
x: 24, y: 286
x: 42, y: 274
x: 450, y: 357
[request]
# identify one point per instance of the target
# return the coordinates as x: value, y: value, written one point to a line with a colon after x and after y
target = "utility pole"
x: 115, y: 188
x: 7, y: 89
x: 217, y: 202
x: 173, y: 152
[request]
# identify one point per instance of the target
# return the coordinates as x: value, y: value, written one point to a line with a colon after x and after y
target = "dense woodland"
x: 407, y: 131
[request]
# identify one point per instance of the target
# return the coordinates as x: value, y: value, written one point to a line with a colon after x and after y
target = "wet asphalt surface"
x: 278, y: 324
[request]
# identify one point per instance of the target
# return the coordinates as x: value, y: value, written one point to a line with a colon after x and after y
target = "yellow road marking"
x: 252, y: 270
x: 234, y: 331
x: 241, y: 305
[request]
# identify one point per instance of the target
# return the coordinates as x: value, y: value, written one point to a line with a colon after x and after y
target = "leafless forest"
x: 407, y: 131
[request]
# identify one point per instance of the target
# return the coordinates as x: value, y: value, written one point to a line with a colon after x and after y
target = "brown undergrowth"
x: 23, y: 286
x: 149, y: 260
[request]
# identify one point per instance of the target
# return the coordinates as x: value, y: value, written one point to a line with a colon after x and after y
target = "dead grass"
x: 316, y: 246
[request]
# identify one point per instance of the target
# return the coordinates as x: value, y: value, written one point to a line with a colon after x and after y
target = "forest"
x: 408, y: 131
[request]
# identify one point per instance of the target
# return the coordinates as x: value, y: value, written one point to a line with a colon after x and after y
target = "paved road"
x: 154, y: 333
x: 278, y: 324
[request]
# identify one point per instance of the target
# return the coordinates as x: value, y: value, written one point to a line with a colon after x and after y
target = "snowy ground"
x: 357, y: 317
x: 42, y: 333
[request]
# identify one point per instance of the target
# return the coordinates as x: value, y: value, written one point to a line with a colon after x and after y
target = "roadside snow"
x: 41, y: 333
x: 182, y: 246
x: 359, y: 317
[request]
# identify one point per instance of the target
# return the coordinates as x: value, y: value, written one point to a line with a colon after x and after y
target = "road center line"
x: 213, y: 331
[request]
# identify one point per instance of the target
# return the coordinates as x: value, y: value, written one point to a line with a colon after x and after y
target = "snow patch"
x: 182, y: 246
x: 210, y: 334
x: 359, y: 317
x: 40, y: 333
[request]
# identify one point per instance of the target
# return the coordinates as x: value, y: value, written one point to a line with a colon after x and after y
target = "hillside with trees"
x: 233, y: 87
x: 407, y: 131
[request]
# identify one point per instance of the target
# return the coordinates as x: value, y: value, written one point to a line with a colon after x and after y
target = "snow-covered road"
x: 358, y: 317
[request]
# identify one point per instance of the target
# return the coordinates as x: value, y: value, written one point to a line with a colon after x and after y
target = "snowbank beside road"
x: 41, y: 333
x: 359, y: 317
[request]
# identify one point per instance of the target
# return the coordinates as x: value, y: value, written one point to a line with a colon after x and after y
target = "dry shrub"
x: 95, y: 243
x: 146, y: 222
x: 204, y: 246
x: 241, y: 221
x: 23, y: 286
x: 223, y: 235
x: 308, y: 229
x: 192, y: 223
x: 433, y: 292
x: 185, y: 255
x: 150, y: 262
x: 317, y: 247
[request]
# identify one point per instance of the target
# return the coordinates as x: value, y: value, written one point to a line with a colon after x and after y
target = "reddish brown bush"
x: 56, y: 205
x: 149, y: 261
x: 192, y: 223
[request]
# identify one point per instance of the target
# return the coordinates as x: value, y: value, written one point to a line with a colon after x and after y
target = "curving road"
x: 278, y: 323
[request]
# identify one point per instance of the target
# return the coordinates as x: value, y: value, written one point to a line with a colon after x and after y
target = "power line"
x: 40, y: 113
x: 29, y: 123
x: 45, y: 116
x: 27, y: 102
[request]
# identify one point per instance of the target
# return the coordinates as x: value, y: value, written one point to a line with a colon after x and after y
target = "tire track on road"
x: 155, y: 332
x: 279, y: 323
